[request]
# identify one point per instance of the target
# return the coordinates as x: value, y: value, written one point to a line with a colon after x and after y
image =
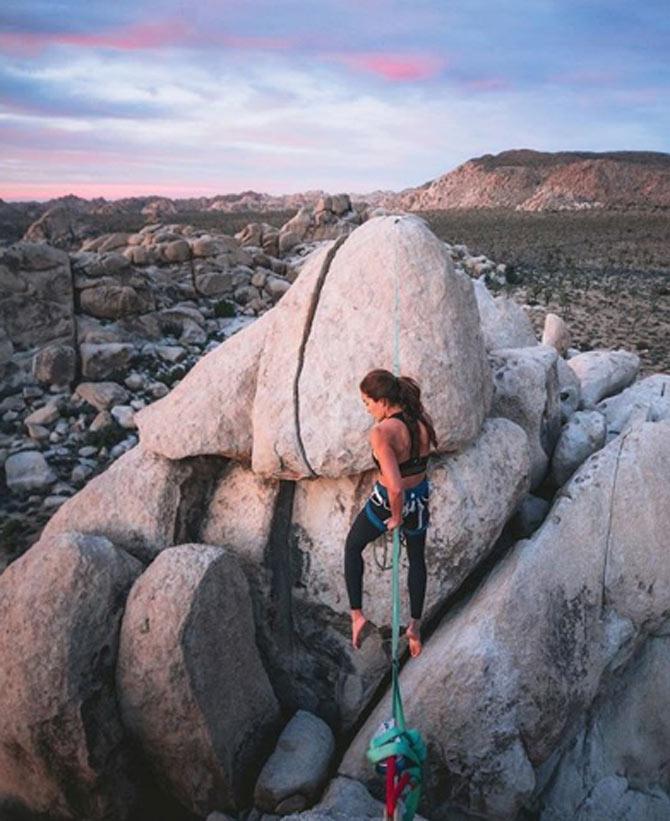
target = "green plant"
x: 224, y: 309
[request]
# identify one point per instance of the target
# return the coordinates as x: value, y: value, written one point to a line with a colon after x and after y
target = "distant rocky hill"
x: 539, y: 181
x: 522, y: 179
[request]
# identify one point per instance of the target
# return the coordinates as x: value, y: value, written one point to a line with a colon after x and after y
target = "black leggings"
x: 361, y: 534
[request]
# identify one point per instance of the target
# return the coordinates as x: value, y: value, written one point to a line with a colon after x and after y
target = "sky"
x: 174, y: 98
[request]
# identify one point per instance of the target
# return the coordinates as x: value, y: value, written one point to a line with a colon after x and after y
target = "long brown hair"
x: 399, y: 390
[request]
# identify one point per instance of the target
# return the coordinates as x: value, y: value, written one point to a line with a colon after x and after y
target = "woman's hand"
x: 393, y: 522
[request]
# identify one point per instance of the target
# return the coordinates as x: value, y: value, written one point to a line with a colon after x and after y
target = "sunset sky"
x: 176, y: 98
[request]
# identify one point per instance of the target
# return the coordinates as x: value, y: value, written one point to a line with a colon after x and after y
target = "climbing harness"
x: 397, y: 752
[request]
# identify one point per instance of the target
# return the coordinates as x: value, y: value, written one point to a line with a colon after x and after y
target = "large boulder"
x: 503, y: 681
x: 114, y: 301
x: 192, y: 689
x: 338, y: 321
x: 504, y: 323
x: 62, y: 745
x: 141, y: 503
x: 603, y: 373
x: 210, y: 410
x: 526, y: 391
x: 284, y: 392
x: 473, y: 493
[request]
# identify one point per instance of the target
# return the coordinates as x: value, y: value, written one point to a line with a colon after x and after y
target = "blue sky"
x: 186, y: 99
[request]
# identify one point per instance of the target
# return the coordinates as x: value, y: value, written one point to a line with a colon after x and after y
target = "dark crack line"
x: 303, y: 344
x: 609, y: 524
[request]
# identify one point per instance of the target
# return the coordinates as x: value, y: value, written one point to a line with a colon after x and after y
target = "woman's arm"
x: 388, y: 465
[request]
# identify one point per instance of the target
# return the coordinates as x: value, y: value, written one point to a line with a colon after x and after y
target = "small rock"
x: 43, y: 416
x: 158, y: 390
x: 32, y: 392
x: 102, y: 395
x: 89, y: 450
x: 135, y: 382
x: 556, y: 333
x: 529, y: 515
x: 124, y: 415
x: 38, y: 432
x: 53, y: 502
x: 28, y: 470
x: 170, y: 353
x: 55, y: 364
x: 80, y: 473
x: 295, y: 773
x: 101, y: 422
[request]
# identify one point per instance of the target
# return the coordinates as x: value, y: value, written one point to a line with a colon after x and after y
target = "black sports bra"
x: 415, y: 464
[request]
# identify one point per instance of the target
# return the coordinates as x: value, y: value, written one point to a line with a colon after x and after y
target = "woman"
x: 401, y: 441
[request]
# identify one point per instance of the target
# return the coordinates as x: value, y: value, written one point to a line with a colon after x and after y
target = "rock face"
x: 62, y: 745
x: 603, y: 373
x: 526, y: 391
x: 583, y: 592
x: 192, y: 689
x: 473, y: 493
x: 140, y: 503
x: 307, y: 417
x: 616, y: 767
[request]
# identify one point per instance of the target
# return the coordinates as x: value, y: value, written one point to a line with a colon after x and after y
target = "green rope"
x: 398, y: 740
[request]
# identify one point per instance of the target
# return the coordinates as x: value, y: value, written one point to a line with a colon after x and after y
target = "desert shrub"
x: 224, y: 309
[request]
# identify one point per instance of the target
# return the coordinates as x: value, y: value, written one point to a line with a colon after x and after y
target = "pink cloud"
x: 394, y: 67
x: 132, y: 38
x: 137, y: 38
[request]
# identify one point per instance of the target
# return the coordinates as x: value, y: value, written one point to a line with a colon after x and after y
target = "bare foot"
x: 414, y: 637
x: 358, y: 622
